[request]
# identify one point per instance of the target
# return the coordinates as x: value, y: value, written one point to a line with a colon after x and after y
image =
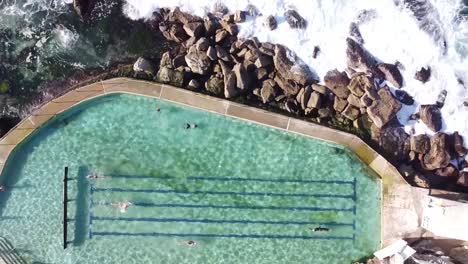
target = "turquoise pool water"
x: 244, y: 193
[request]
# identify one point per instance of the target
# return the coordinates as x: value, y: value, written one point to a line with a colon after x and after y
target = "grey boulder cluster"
x: 209, y: 57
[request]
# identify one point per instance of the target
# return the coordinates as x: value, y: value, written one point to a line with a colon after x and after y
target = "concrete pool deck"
x: 402, y: 209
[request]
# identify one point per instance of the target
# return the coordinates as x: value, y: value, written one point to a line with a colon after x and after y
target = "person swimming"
x: 158, y: 109
x: 320, y: 229
x: 189, y: 243
x: 2, y: 188
x: 94, y: 176
x: 123, y: 206
x: 190, y: 126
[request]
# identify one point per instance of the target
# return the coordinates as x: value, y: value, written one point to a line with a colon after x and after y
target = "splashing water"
x: 394, y: 34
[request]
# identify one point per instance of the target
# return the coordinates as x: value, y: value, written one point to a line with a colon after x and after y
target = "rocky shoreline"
x: 208, y: 57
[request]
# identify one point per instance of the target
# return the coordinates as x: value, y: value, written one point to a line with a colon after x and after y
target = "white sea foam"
x: 393, y: 35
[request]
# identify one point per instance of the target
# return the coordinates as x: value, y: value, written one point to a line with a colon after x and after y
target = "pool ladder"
x: 8, y: 253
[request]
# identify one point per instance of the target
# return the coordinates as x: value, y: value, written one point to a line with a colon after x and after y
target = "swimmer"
x: 158, y: 109
x: 189, y: 243
x: 320, y: 229
x: 123, y: 206
x: 2, y: 188
x: 94, y: 176
x: 189, y: 126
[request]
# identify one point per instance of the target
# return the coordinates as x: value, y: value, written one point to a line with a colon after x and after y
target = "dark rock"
x: 431, y: 116
x: 355, y: 33
x: 189, y: 42
x: 450, y: 171
x: 392, y: 74
x: 406, y: 171
x: 194, y: 29
x: 215, y: 85
x: 176, y: 33
x: 404, y: 97
x: 303, y: 97
x: 292, y: 106
x: 268, y: 91
x: 324, y: 113
x: 239, y: 16
x: 229, y: 18
x: 339, y: 104
x: 360, y: 84
x: 222, y: 53
x: 287, y: 88
x: 441, y: 98
x: 366, y: 101
x: 270, y: 22
x: 198, y: 61
x: 203, y: 44
x: 230, y: 28
x: 420, y: 144
x: 210, y: 26
x: 351, y: 112
x: 261, y: 74
x: 421, y: 181
x: 463, y: 179
x: 294, y: 19
x: 242, y: 76
x: 438, y: 156
x: 359, y: 58
x: 212, y: 54
x: 170, y: 76
x: 263, y: 61
x: 458, y: 145
x: 230, y: 82
x: 83, y: 7
x: 185, y: 18
x: 395, y: 142
x: 267, y: 49
x: 423, y: 75
x: 337, y: 82
x: 221, y: 35
x: 179, y: 61
x: 315, y: 52
x: 383, y: 110
x: 144, y: 65
x: 194, y: 85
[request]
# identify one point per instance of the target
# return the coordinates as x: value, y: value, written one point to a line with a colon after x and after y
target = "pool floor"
x: 244, y: 193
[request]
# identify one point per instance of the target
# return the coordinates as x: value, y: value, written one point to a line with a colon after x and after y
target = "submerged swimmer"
x: 123, y: 206
x: 189, y: 243
x: 2, y: 188
x: 320, y: 229
x: 94, y: 176
x: 189, y: 126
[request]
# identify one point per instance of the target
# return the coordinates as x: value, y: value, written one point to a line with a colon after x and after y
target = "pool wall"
x: 394, y: 187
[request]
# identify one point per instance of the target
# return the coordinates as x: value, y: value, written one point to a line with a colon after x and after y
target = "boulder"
x: 166, y: 59
x: 355, y: 33
x: 423, y: 75
x: 176, y: 33
x: 366, y: 101
x: 229, y: 27
x: 292, y: 106
x: 230, y: 81
x: 242, y: 76
x: 395, y: 142
x: 239, y: 16
x: 211, y: 53
x: 222, y: 53
x: 320, y: 89
x: 438, y: 156
x: 215, y: 85
x: 459, y: 254
x: 179, y: 61
x: 420, y: 144
x: 263, y: 61
x: 450, y: 171
x: 431, y: 116
x: 360, y: 59
x: 324, y: 113
x: 354, y: 100
x: 360, y: 84
x: 144, y: 65
x: 458, y: 146
x: 198, y: 61
x: 315, y: 52
x: 261, y: 73
x: 210, y: 26
x: 194, y: 29
x: 404, y: 97
x: 339, y: 104
x: 194, y: 85
x: 337, y: 82
x: 463, y: 179
x: 270, y: 22
x: 83, y: 7
x: 170, y: 76
x: 185, y: 18
x: 294, y: 19
x: 289, y: 89
x: 315, y: 100
x: 303, y: 97
x: 203, y: 44
x: 383, y: 110
x: 421, y: 181
x: 220, y: 35
x: 268, y: 91
x: 392, y: 74
x: 351, y: 112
